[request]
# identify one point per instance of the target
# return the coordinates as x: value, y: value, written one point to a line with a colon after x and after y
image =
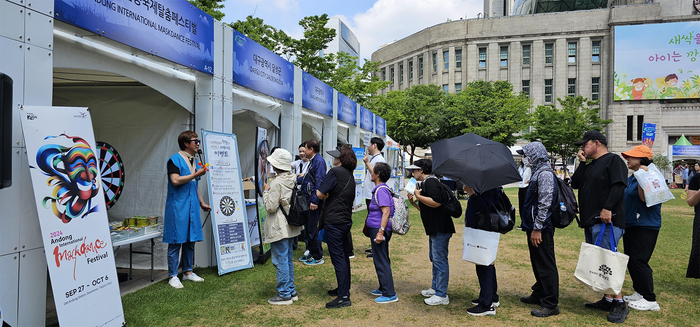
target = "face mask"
x: 526, y: 161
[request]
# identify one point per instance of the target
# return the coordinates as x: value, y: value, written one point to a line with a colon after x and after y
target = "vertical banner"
x: 649, y: 135
x: 66, y: 177
x: 261, y: 171
x: 228, y: 214
x: 359, y: 172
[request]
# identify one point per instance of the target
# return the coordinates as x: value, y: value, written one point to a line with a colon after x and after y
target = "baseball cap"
x: 412, y: 167
x: 639, y: 151
x: 592, y: 135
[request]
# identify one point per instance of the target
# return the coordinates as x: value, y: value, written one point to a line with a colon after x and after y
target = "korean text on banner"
x: 380, y: 127
x: 228, y: 214
x: 649, y: 134
x: 347, y: 110
x: 366, y: 119
x: 317, y: 96
x: 66, y: 177
x: 260, y: 69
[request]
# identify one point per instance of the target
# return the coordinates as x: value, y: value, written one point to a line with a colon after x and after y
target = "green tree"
x: 488, y: 109
x: 357, y: 83
x: 210, y: 7
x: 271, y: 38
x: 558, y: 129
x: 306, y: 50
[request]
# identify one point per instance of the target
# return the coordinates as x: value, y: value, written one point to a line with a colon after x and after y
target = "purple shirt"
x: 381, y: 197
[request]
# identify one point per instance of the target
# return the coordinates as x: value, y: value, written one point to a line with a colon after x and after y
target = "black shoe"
x: 481, y: 311
x: 602, y: 304
x: 530, y: 300
x: 333, y: 292
x: 370, y: 256
x: 618, y: 312
x: 545, y: 312
x: 339, y: 302
x: 493, y: 304
x: 368, y: 251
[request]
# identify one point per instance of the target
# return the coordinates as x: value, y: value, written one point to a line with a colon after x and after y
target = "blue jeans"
x: 593, y: 232
x: 283, y: 260
x: 439, y: 247
x: 187, y: 257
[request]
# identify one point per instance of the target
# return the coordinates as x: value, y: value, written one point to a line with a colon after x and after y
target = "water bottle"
x: 562, y: 207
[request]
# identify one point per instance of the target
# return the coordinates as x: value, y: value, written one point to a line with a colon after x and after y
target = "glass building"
x: 526, y: 7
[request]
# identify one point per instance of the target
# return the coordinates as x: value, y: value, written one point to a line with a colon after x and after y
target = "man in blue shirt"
x: 310, y: 182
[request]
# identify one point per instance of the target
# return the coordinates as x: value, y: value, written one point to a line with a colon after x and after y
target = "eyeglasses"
x: 196, y: 141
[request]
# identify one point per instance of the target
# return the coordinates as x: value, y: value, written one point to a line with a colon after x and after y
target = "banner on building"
x: 66, y: 177
x: 380, y: 126
x: 366, y: 119
x: 347, y: 110
x: 174, y: 29
x: 228, y: 214
x: 317, y: 96
x: 260, y: 69
x: 649, y: 134
x: 686, y: 150
x: 657, y: 61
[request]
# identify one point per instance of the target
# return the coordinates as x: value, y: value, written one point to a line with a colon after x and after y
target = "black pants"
x: 521, y: 202
x: 339, y: 250
x: 639, y: 245
x: 382, y: 263
x: 544, y: 266
x: 312, y: 242
x: 488, y: 285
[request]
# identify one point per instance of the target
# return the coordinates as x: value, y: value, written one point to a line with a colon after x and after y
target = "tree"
x: 306, y: 50
x: 558, y: 129
x: 357, y: 83
x: 210, y: 7
x: 488, y: 109
x: 271, y: 38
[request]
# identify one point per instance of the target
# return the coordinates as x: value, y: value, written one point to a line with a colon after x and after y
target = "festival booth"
x: 318, y: 110
x: 394, y: 157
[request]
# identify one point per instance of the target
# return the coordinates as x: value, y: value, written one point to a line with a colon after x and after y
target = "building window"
x: 572, y: 52
x: 434, y: 62
x: 630, y: 128
x: 504, y: 56
x: 595, y: 88
x: 420, y: 67
x: 595, y: 51
x: 401, y: 73
x: 458, y: 58
x: 526, y: 87
x: 549, y: 53
x: 548, y: 91
x: 384, y: 74
x: 392, y: 75
x: 482, y: 57
x: 458, y: 87
x: 410, y: 69
x: 640, y: 127
x: 571, y: 87
x: 526, y: 55
x: 446, y: 59
x: 445, y: 88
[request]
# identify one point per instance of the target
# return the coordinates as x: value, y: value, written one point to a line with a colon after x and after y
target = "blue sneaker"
x: 387, y: 299
x: 305, y: 258
x: 376, y: 292
x: 313, y: 262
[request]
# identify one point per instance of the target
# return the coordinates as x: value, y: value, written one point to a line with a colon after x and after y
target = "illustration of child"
x: 638, y: 88
x: 671, y: 91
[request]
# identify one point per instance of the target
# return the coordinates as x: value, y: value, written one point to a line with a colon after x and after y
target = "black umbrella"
x: 475, y: 161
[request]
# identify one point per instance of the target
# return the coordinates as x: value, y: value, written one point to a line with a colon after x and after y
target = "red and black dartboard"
x: 112, y: 170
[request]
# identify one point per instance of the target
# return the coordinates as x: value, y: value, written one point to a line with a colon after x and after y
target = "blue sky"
x: 374, y: 22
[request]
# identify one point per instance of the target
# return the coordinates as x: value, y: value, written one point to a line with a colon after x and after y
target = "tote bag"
x: 480, y: 246
x: 602, y: 269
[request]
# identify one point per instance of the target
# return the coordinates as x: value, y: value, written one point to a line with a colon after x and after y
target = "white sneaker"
x: 306, y: 252
x: 428, y: 293
x: 193, y: 277
x: 437, y: 300
x: 644, y: 305
x: 634, y: 297
x: 175, y: 282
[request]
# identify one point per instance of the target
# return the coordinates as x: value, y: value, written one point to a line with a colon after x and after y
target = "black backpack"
x: 563, y: 216
x: 299, y: 208
x: 451, y: 205
x: 500, y: 217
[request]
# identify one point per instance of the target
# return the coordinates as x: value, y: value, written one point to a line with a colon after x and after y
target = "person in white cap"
x: 276, y: 231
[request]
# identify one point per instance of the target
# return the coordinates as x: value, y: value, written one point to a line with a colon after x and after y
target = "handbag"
x: 480, y: 246
x: 602, y: 269
x: 499, y: 218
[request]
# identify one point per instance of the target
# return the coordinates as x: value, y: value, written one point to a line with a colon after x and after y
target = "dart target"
x: 112, y: 172
x: 227, y: 206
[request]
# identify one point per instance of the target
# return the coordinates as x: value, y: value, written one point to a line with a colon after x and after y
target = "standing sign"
x: 175, y: 29
x: 380, y: 127
x: 260, y: 69
x: 366, y: 119
x: 317, y: 96
x: 649, y: 134
x: 347, y: 110
x: 359, y: 172
x: 228, y: 216
x: 261, y: 174
x: 70, y: 202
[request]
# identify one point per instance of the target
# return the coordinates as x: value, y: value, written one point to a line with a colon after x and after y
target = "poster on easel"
x: 262, y: 169
x: 67, y: 183
x: 228, y: 214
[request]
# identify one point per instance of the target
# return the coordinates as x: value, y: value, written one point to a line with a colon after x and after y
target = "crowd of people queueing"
x: 606, y: 195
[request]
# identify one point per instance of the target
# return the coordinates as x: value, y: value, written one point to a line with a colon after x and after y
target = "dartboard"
x: 112, y: 170
x: 227, y: 206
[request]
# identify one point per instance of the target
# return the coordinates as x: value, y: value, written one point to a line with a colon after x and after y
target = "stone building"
x: 547, y: 56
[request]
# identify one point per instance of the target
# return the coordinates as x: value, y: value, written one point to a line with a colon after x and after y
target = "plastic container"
x: 151, y: 229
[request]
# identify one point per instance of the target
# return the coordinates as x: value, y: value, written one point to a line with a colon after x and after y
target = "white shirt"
x: 300, y: 166
x: 367, y: 185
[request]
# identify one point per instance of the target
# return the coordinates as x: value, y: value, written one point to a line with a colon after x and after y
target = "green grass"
x: 240, y: 298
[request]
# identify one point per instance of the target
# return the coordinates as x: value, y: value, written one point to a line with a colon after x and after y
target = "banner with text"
x: 366, y: 119
x: 228, y: 214
x: 380, y: 127
x: 347, y: 110
x: 649, y: 134
x: 657, y: 61
x: 174, y: 29
x: 317, y: 95
x: 260, y: 69
x: 67, y: 184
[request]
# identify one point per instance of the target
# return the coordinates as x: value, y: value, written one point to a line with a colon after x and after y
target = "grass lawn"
x: 240, y: 298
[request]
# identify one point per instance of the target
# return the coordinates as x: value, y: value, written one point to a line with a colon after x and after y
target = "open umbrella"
x: 475, y: 161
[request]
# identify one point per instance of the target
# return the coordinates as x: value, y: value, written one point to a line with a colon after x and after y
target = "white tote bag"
x: 602, y: 269
x: 654, y: 185
x: 480, y: 246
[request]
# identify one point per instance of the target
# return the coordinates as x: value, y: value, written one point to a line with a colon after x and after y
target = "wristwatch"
x: 382, y: 228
